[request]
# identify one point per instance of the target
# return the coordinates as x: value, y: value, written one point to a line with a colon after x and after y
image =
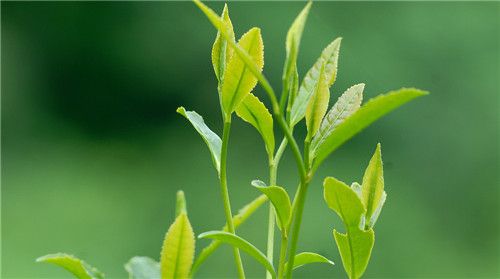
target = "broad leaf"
x: 241, y: 244
x: 178, y: 249
x: 362, y: 118
x: 329, y: 57
x: 253, y: 111
x: 239, y: 80
x: 372, y: 191
x: 308, y: 258
x: 355, y: 248
x: 143, y: 268
x: 221, y: 52
x: 212, y: 140
x: 318, y: 105
x: 347, y: 104
x: 77, y: 267
x: 281, y: 202
x: 344, y: 201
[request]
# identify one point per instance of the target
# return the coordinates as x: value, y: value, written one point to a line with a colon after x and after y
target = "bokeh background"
x: 93, y: 151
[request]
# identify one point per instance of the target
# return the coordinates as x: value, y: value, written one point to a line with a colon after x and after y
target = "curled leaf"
x: 308, y: 258
x: 318, y: 105
x: 221, y: 52
x: 77, y: 267
x: 281, y: 202
x: 372, y: 191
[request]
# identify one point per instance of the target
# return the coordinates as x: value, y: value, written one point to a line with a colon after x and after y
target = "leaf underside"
x: 372, y: 190
x: 77, y: 267
x: 143, y: 268
x: 281, y: 202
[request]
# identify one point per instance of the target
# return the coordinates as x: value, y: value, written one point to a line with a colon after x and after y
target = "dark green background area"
x: 93, y: 151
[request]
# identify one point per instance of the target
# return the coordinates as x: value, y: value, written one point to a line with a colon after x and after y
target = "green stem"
x: 281, y: 266
x: 270, y: 228
x: 225, y: 192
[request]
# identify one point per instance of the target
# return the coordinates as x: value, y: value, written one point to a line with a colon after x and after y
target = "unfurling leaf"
x: 77, y: 267
x: 143, y: 268
x: 329, y: 57
x: 281, y: 202
x: 239, y: 80
x: 344, y: 201
x: 363, y: 117
x: 241, y: 244
x: 221, y: 52
x: 253, y: 111
x: 318, y: 105
x: 177, y: 252
x: 348, y: 103
x: 372, y: 191
x: 308, y: 258
x: 212, y: 140
x: 355, y: 249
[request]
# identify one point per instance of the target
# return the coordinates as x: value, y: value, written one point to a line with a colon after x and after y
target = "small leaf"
x: 281, y: 202
x: 241, y: 244
x: 178, y: 249
x: 347, y: 104
x: 258, y: 183
x: 362, y: 118
x: 355, y: 249
x: 318, y: 105
x: 344, y: 201
x: 143, y: 268
x: 307, y: 258
x: 77, y: 267
x: 329, y: 57
x: 180, y: 205
x: 212, y: 140
x: 238, y: 80
x: 253, y: 111
x: 221, y: 52
x: 373, y: 187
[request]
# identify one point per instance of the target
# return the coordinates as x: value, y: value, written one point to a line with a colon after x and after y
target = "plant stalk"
x: 225, y: 192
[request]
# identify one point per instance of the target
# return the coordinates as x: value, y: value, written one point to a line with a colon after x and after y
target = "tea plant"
x: 238, y: 68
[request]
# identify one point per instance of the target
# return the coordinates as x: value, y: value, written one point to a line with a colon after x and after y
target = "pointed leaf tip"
x: 180, y: 206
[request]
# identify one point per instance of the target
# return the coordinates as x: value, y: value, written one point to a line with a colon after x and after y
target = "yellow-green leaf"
x: 239, y: 80
x: 177, y: 253
x: 143, y: 268
x: 329, y: 57
x: 372, y: 190
x: 363, y: 117
x: 221, y: 52
x: 253, y: 111
x: 281, y: 202
x: 344, y: 201
x: 77, y: 267
x: 355, y: 249
x: 318, y: 105
x: 308, y: 258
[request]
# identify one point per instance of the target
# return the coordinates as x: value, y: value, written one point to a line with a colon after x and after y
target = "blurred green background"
x: 93, y: 151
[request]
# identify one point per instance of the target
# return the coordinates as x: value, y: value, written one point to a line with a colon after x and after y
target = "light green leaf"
x: 238, y: 80
x: 281, y: 202
x: 355, y: 249
x: 143, y: 268
x: 258, y: 183
x: 180, y: 205
x: 221, y: 53
x: 77, y: 267
x: 344, y: 201
x: 372, y: 190
x: 318, y: 105
x: 241, y: 244
x: 307, y: 258
x: 212, y: 140
x: 329, y: 57
x: 253, y: 111
x: 178, y: 249
x: 362, y: 118
x: 347, y: 104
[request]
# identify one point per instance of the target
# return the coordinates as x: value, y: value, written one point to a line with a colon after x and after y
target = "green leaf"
x: 221, y: 53
x: 241, y: 244
x: 308, y: 258
x: 258, y: 183
x: 318, y: 105
x: 348, y: 103
x: 329, y: 57
x: 372, y: 191
x: 344, y: 201
x: 239, y: 80
x: 143, y: 268
x: 178, y: 249
x: 180, y: 205
x: 281, y: 202
x: 362, y: 118
x: 212, y: 140
x: 355, y: 249
x: 253, y: 111
x: 77, y: 267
